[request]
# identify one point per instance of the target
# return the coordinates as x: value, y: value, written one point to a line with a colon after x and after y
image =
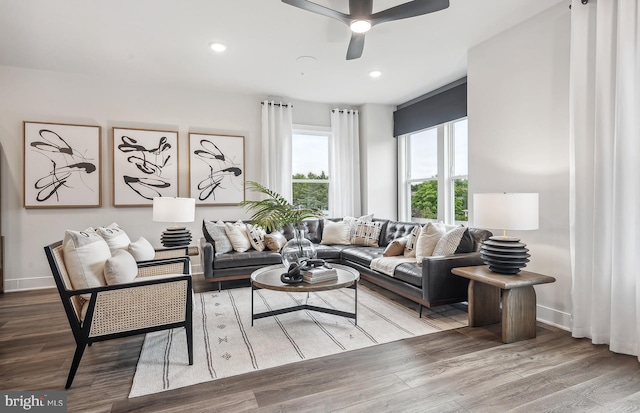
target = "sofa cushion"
x: 85, y: 253
x: 394, y: 230
x: 362, y: 255
x: 336, y: 233
x: 479, y: 235
x: 142, y: 250
x: 366, y: 233
x: 328, y: 252
x: 121, y: 268
x: 467, y: 243
x: 274, y: 241
x: 410, y: 273
x: 312, y: 229
x: 246, y: 259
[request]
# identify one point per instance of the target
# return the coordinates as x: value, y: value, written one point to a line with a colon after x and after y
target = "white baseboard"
x: 25, y: 284
x: 554, y: 317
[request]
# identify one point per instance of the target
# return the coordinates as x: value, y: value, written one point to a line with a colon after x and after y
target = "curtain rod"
x: 284, y: 105
x: 344, y: 110
x: 581, y: 1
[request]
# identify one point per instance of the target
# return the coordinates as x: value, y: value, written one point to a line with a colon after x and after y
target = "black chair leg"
x: 219, y: 286
x: 421, y: 307
x: 75, y: 363
x: 189, y: 331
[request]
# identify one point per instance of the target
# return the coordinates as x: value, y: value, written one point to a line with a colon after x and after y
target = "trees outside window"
x: 310, y: 160
x: 435, y: 171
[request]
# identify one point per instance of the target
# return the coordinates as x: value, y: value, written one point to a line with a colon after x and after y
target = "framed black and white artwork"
x: 216, y: 169
x: 62, y: 165
x: 145, y: 166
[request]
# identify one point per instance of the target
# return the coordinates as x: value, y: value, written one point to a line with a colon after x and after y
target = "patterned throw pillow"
x: 256, y: 237
x: 395, y: 247
x: 410, y: 247
x: 353, y: 222
x: 218, y: 235
x: 449, y: 242
x: 366, y: 233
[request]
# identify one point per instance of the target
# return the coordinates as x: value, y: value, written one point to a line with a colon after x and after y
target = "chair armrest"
x: 180, y: 265
x: 439, y: 284
x: 134, y: 284
x: 206, y: 258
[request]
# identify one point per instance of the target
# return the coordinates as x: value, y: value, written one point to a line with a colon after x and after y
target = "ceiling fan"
x: 361, y: 17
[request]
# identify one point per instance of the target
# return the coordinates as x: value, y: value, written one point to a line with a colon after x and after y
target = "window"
x: 434, y: 174
x: 310, y: 160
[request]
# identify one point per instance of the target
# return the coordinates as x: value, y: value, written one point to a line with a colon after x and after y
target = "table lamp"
x: 505, y: 211
x: 168, y: 209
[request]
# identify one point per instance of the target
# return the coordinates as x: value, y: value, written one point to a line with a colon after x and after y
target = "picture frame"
x: 145, y: 165
x: 62, y: 165
x: 216, y: 169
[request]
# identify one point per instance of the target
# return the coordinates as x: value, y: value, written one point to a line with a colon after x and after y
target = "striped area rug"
x: 225, y: 343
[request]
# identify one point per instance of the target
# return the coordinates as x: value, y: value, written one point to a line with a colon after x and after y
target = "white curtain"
x: 276, y: 147
x: 605, y: 169
x: 344, y: 177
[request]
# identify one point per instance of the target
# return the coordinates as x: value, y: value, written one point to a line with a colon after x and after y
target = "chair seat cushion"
x: 246, y: 259
x: 410, y: 273
x: 362, y: 255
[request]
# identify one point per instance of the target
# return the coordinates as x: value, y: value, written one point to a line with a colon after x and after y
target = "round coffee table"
x: 268, y: 278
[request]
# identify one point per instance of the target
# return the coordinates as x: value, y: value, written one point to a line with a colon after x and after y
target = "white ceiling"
x: 166, y: 41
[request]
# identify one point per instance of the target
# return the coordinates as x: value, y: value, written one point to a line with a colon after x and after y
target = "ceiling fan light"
x: 375, y: 73
x: 218, y: 47
x: 360, y: 26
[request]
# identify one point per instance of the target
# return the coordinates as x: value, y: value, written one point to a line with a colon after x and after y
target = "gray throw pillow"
x: 218, y: 234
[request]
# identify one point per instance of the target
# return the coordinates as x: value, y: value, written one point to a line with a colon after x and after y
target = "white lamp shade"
x: 506, y: 211
x: 168, y: 209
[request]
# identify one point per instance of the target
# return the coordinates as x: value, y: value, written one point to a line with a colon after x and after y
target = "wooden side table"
x: 518, y: 300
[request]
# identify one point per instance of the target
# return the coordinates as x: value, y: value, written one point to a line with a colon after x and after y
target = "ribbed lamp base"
x: 504, y: 255
x: 176, y: 237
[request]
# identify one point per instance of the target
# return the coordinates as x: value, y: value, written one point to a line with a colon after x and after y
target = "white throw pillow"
x: 85, y: 253
x: 121, y: 268
x: 410, y: 247
x: 115, y: 237
x: 336, y: 233
x: 217, y: 232
x: 427, y: 240
x: 366, y: 233
x: 238, y: 236
x: 449, y: 242
x: 256, y: 236
x: 142, y: 250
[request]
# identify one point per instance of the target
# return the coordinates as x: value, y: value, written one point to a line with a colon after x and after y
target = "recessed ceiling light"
x: 375, y: 73
x: 218, y: 47
x: 360, y: 26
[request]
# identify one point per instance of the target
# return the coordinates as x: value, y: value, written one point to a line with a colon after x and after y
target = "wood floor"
x: 466, y: 370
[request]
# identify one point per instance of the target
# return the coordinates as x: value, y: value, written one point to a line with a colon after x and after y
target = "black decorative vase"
x: 504, y: 255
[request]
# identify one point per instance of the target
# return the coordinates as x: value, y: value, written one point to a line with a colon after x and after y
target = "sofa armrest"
x: 439, y: 285
x: 206, y: 257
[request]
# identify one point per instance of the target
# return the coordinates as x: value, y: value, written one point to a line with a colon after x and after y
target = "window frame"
x: 313, y: 130
x: 445, y: 176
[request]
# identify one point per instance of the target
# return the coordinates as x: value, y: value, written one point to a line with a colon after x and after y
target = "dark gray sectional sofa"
x: 429, y: 284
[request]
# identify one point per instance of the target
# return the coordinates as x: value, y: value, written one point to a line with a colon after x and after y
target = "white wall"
x: 518, y: 86
x: 72, y: 98
x: 378, y: 161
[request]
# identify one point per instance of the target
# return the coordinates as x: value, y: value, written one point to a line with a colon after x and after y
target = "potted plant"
x: 274, y: 212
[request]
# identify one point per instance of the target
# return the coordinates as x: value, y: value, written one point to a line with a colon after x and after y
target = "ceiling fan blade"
x: 411, y: 9
x: 360, y: 8
x: 356, y: 45
x: 318, y: 9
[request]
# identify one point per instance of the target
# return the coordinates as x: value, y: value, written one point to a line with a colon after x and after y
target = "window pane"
x: 423, y: 154
x: 311, y: 195
x: 424, y: 201
x: 460, y: 145
x: 461, y: 199
x: 310, y: 155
